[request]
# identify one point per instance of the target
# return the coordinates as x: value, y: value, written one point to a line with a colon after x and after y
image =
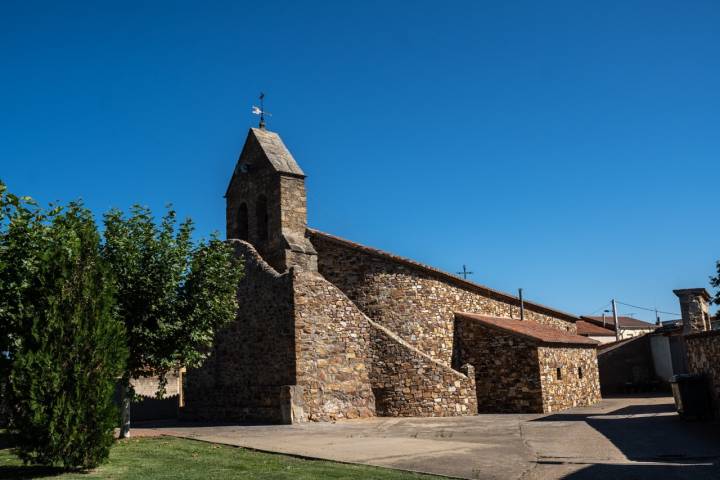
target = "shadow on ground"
x: 28, y: 472
x: 5, y: 441
x: 635, y: 472
x: 672, y: 448
x: 23, y: 471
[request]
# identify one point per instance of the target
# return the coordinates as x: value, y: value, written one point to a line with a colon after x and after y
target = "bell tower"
x: 266, y: 203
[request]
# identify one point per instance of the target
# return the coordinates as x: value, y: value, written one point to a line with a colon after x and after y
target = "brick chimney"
x: 694, y: 309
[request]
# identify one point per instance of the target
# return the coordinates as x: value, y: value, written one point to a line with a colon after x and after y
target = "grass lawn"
x: 168, y: 457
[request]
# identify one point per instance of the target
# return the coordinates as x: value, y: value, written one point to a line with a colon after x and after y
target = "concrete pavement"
x: 631, y: 438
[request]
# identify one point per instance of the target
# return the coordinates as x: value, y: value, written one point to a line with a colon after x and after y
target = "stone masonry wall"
x: 407, y: 382
x: 574, y: 388
x: 259, y: 180
x: 250, y: 374
x: 703, y: 351
x: 299, y: 251
x: 414, y: 301
x: 506, y: 368
x: 332, y: 349
x: 294, y: 204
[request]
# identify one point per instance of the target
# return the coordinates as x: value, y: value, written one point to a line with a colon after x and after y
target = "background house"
x: 595, y: 332
x: 629, y: 327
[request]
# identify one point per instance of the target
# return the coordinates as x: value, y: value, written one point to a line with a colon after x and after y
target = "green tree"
x: 173, y: 295
x: 64, y: 344
x: 715, y: 282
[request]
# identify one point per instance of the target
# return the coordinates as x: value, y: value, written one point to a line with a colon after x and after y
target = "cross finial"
x: 465, y: 272
x: 261, y: 111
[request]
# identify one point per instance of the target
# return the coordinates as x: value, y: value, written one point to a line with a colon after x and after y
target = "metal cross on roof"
x: 261, y: 111
x: 465, y: 272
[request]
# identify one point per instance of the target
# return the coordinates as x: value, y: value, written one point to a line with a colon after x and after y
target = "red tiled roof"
x: 624, y: 322
x: 587, y: 328
x: 530, y: 330
x: 497, y: 294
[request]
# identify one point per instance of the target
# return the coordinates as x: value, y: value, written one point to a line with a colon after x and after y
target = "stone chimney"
x: 694, y: 309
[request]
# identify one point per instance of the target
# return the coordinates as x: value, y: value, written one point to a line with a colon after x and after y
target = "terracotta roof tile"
x: 587, y: 328
x: 531, y: 330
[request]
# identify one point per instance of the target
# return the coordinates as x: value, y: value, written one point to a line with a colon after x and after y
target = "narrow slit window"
x: 580, y: 372
x: 558, y: 373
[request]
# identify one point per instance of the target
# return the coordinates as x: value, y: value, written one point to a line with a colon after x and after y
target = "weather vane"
x: 261, y: 110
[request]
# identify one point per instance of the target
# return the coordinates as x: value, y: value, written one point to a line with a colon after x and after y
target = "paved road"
x: 620, y: 438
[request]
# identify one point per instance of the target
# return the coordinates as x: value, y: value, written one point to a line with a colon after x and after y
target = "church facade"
x: 329, y: 329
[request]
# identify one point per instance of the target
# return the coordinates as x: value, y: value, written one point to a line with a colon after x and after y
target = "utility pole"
x: 522, y: 304
x: 615, y: 319
x: 657, y: 317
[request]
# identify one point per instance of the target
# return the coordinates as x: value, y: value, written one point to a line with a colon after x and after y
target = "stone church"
x: 329, y: 329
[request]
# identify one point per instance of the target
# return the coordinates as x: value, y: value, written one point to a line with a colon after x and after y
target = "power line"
x: 600, y: 308
x: 648, y: 309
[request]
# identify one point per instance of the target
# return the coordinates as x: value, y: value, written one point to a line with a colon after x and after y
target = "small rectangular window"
x: 580, y: 372
x: 558, y: 372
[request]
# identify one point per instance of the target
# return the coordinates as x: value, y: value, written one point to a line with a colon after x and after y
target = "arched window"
x: 261, y: 213
x: 242, y: 219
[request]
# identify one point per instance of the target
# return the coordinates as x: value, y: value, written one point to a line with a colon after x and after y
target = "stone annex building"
x: 328, y: 329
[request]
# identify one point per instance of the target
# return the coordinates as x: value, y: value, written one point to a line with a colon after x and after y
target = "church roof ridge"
x: 536, y: 307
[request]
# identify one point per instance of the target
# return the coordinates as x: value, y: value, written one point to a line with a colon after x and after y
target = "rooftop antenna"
x: 261, y: 111
x: 604, y: 312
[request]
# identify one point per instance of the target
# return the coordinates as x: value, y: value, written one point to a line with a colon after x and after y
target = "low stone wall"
x: 506, y: 368
x: 408, y: 383
x: 332, y: 346
x: 148, y: 386
x: 703, y: 350
x: 415, y: 301
x: 579, y: 380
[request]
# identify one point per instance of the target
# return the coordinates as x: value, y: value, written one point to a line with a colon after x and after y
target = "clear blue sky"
x: 570, y: 148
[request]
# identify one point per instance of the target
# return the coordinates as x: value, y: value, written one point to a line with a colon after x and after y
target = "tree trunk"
x: 125, y: 394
